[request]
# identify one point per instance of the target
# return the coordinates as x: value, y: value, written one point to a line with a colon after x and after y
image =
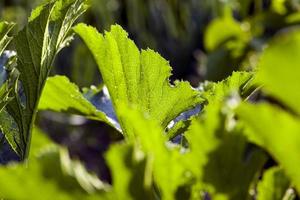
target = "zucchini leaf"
x: 137, y: 78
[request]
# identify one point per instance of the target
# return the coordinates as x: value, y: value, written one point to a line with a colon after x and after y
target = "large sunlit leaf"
x: 37, y: 44
x: 276, y: 131
x: 137, y: 78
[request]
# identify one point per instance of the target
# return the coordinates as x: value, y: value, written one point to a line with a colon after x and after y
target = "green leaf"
x: 37, y: 45
x: 61, y: 95
x: 5, y: 28
x: 220, y: 155
x: 278, y: 69
x: 137, y: 78
x: 273, y: 186
x: 276, y: 131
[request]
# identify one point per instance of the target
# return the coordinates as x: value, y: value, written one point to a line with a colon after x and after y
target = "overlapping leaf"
x: 220, y: 155
x: 278, y: 69
x: 238, y: 82
x: 37, y: 44
x: 276, y: 131
x: 159, y: 166
x: 128, y: 172
x: 239, y: 85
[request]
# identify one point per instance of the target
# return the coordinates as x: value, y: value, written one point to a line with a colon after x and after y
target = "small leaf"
x: 5, y: 28
x: 61, y: 95
x: 10, y: 131
x: 217, y: 92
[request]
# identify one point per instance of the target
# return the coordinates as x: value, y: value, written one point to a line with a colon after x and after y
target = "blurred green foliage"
x: 248, y: 122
